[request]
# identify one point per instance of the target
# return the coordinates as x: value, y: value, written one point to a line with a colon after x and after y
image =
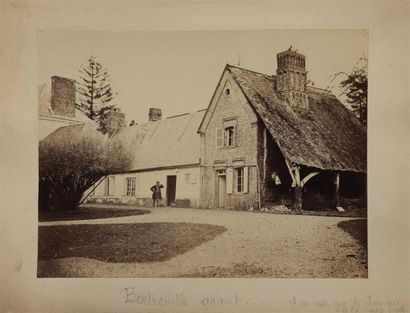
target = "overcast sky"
x: 178, y: 71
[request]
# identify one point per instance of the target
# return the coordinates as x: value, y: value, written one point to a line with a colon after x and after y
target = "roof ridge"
x: 245, y: 69
x: 314, y: 87
x: 178, y: 115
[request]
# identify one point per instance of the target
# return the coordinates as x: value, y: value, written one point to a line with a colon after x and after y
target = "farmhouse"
x: 274, y: 139
x: 264, y: 139
x: 165, y: 150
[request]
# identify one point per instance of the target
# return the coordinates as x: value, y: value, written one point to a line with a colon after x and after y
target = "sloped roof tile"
x: 165, y: 143
x: 326, y: 136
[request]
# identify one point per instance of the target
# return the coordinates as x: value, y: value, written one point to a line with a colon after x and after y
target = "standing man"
x: 156, y: 194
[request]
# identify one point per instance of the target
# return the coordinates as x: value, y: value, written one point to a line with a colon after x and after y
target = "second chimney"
x: 154, y: 114
x: 63, y: 96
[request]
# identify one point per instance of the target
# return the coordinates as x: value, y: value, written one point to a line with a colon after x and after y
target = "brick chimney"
x: 154, y: 114
x: 115, y: 121
x: 63, y: 96
x: 291, y: 78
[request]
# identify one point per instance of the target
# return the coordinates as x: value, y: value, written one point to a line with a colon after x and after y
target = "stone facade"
x: 230, y: 109
x: 267, y: 180
x: 63, y: 96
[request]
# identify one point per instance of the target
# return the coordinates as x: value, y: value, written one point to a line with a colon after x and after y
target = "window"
x: 130, y: 186
x: 238, y: 180
x: 227, y: 91
x: 221, y: 172
x: 109, y: 186
x: 226, y: 136
x: 229, y: 136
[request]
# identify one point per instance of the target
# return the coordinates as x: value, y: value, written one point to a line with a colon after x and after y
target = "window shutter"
x: 125, y: 186
x: 235, y: 136
x: 245, y: 179
x: 229, y: 180
x: 219, y: 137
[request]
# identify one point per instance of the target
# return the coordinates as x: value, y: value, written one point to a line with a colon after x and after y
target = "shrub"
x: 72, y: 159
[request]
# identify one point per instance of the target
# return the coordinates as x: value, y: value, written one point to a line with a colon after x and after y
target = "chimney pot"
x: 154, y: 114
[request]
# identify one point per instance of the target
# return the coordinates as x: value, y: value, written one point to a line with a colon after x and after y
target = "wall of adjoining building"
x: 186, y: 195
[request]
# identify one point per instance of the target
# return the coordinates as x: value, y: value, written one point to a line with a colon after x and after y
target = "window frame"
x: 228, y: 132
x: 236, y: 177
x: 130, y: 190
x: 229, y: 135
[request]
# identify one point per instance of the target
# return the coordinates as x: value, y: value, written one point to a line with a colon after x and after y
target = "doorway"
x: 221, y: 190
x: 171, y: 189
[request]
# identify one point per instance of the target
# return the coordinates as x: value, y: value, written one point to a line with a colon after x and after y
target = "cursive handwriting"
x: 151, y: 299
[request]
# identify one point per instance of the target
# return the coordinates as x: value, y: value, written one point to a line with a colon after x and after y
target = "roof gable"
x: 225, y: 80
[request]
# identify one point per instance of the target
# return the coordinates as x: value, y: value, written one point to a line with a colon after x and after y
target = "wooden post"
x: 265, y: 155
x: 94, y: 187
x: 337, y: 198
x: 298, y: 199
x: 298, y: 191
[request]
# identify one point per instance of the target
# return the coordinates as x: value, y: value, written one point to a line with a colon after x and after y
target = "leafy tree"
x: 354, y: 87
x: 94, y: 92
x: 74, y: 158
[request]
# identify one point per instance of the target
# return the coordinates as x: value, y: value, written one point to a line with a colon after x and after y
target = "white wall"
x: 185, y: 188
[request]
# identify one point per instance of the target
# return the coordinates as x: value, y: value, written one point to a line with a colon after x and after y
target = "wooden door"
x: 171, y: 189
x: 221, y: 191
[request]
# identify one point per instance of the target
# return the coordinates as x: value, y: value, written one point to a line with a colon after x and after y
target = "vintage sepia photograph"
x: 203, y: 154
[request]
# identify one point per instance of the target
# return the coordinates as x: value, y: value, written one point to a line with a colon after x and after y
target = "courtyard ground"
x: 88, y: 213
x: 253, y: 245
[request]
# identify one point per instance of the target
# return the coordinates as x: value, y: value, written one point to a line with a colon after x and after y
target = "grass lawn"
x: 118, y: 243
x: 87, y: 214
x: 357, y: 229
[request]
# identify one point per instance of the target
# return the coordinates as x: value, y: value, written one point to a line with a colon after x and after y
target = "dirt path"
x: 254, y: 245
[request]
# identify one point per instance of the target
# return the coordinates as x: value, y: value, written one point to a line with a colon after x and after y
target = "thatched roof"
x: 73, y: 131
x: 170, y: 142
x: 325, y: 136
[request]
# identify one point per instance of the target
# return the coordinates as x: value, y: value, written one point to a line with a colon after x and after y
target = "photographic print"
x: 203, y: 154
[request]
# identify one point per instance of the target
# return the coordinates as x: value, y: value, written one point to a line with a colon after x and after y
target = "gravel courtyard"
x: 254, y: 245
